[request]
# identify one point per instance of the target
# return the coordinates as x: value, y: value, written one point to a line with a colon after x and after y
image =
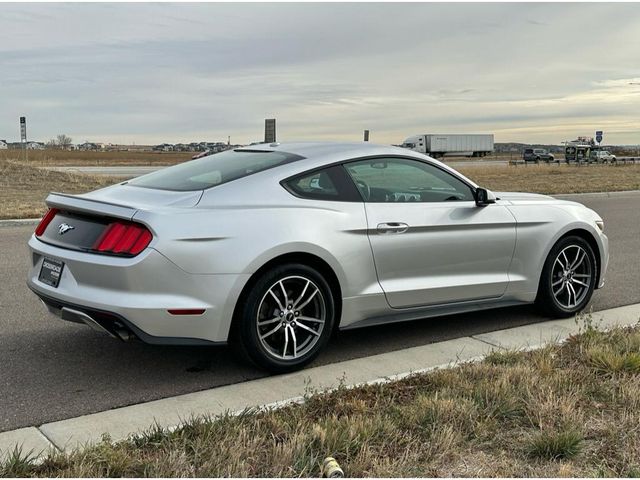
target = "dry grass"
x: 64, y: 158
x: 23, y: 188
x: 551, y: 179
x: 547, y: 413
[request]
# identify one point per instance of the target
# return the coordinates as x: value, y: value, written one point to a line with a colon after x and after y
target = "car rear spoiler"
x: 81, y: 204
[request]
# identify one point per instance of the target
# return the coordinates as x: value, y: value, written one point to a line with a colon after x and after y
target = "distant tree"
x: 52, y: 143
x: 63, y: 141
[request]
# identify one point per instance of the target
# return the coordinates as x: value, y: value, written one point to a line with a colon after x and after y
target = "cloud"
x: 180, y: 72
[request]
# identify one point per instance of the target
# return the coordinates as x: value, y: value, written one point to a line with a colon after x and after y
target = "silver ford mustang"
x: 274, y: 247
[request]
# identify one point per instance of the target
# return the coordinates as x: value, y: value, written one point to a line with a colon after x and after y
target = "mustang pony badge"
x: 64, y: 228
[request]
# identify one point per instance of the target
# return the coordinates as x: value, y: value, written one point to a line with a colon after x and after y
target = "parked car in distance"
x: 274, y: 247
x: 601, y: 156
x: 537, y: 154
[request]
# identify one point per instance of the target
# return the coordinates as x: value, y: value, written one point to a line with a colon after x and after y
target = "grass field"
x: 556, y: 179
x: 563, y: 411
x: 63, y: 158
x: 23, y: 186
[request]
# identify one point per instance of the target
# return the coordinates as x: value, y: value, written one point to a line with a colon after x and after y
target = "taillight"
x: 46, y: 220
x: 123, y: 238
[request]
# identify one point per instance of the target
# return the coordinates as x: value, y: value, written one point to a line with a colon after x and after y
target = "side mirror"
x: 484, y: 197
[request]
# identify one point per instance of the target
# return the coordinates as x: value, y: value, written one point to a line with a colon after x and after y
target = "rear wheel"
x: 287, y: 318
x: 568, y: 278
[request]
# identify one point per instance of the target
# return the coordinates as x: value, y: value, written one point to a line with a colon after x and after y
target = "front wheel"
x: 287, y: 318
x: 568, y: 278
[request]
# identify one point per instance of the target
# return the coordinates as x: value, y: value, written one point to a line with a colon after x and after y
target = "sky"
x: 152, y: 73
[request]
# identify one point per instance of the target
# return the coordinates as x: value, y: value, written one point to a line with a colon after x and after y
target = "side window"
x: 405, y: 180
x: 327, y: 184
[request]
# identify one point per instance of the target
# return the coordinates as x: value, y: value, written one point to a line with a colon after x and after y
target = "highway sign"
x: 599, y: 136
x: 269, y: 130
x: 23, y: 129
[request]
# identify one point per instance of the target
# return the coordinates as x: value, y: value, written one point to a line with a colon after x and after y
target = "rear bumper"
x: 136, y: 293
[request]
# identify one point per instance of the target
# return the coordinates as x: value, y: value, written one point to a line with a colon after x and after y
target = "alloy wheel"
x: 571, y: 276
x: 291, y: 317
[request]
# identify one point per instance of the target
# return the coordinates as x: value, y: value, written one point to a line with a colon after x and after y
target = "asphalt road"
x: 112, y: 171
x: 51, y: 370
x: 126, y: 172
x: 135, y: 171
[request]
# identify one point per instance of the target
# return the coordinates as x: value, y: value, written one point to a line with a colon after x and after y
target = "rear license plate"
x: 51, y: 271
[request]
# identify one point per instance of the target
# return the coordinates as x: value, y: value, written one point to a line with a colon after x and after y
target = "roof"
x: 318, y: 154
x: 313, y: 149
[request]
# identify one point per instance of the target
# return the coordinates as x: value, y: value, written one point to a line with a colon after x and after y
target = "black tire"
x: 247, y: 337
x: 548, y: 303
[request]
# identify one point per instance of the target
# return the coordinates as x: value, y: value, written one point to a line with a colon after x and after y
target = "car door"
x: 431, y: 244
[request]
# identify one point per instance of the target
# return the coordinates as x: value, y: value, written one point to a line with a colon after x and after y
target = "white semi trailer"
x: 460, y: 145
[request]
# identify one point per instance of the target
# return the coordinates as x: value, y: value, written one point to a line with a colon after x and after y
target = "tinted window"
x: 213, y: 170
x: 403, y: 180
x: 318, y: 184
x: 330, y: 183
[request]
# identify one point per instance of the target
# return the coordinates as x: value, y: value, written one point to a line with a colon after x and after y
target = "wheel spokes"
x: 572, y: 290
x: 283, y: 330
x: 306, y: 302
x: 579, y: 259
x: 310, y: 319
x: 310, y: 330
x: 295, y: 342
x: 271, y: 332
x: 573, y: 277
x: 284, y: 292
x: 286, y: 341
x: 276, y: 299
x: 269, y: 322
x: 304, y: 290
x: 557, y: 292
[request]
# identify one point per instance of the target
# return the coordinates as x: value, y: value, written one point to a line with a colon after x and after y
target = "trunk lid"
x: 81, y: 220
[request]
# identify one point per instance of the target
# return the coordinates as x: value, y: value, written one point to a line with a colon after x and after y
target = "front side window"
x: 213, y: 170
x: 405, y: 180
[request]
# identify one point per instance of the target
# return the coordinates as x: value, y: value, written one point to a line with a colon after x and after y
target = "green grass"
x: 569, y: 410
x: 555, y: 445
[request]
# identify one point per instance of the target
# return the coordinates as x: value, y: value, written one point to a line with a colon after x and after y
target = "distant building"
x: 88, y: 146
x: 35, y: 146
x: 3, y: 145
x: 163, y: 147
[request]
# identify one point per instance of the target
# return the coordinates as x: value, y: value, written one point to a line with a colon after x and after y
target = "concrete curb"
x: 14, y: 222
x: 622, y: 193
x: 281, y: 390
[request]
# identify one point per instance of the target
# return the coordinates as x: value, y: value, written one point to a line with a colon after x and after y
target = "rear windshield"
x: 213, y: 170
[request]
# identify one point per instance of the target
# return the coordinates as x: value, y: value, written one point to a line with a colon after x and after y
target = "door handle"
x: 392, y: 227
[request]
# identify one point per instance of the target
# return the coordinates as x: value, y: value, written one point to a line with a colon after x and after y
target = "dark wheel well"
x: 298, y: 257
x: 585, y: 235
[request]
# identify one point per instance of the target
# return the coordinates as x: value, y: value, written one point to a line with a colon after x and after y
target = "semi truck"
x: 459, y: 145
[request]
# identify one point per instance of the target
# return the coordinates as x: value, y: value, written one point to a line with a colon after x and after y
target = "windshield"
x: 213, y: 170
